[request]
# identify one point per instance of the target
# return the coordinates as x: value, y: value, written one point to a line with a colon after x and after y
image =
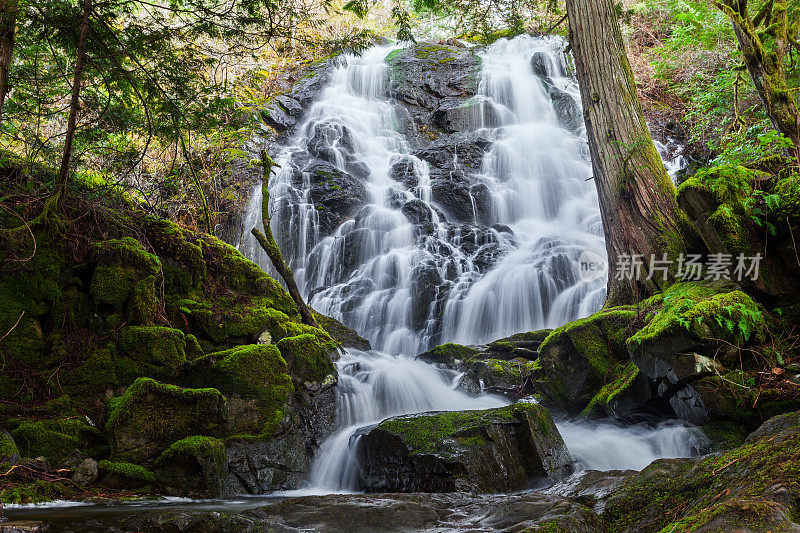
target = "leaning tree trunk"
x: 767, y: 67
x: 270, y: 246
x: 8, y: 24
x: 80, y: 60
x: 637, y: 197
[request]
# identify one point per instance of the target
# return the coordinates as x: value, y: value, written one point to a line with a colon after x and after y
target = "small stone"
x: 86, y: 473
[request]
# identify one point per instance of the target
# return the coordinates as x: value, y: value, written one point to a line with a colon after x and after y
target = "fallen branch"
x: 269, y: 245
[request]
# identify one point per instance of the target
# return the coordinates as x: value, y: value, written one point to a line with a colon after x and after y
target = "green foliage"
x: 705, y: 311
x: 128, y: 471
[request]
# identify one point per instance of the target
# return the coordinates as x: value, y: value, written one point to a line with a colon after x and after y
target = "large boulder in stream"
x: 494, y: 450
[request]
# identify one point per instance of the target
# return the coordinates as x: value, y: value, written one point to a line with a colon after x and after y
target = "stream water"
x: 544, y: 214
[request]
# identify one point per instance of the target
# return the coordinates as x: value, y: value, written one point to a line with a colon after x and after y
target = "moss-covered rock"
x: 256, y: 380
x: 750, y: 488
x: 581, y: 357
x: 125, y: 476
x: 9, y: 453
x: 449, y: 355
x: 195, y: 467
x: 121, y: 266
x: 308, y: 358
x: 153, y: 351
x: 693, y: 332
x: 152, y: 415
x: 492, y: 450
x: 55, y: 440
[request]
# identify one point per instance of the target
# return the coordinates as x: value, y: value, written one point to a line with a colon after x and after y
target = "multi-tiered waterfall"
x: 505, y: 263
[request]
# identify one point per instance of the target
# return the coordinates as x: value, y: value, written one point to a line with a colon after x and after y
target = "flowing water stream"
x: 543, y: 214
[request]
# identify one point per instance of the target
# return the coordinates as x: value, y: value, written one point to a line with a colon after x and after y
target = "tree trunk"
x: 270, y: 246
x: 767, y: 68
x: 637, y: 197
x: 80, y: 60
x: 8, y: 24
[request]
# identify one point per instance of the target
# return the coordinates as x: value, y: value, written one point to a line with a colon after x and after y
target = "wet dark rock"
x: 461, y: 201
x: 183, y: 520
x: 404, y: 171
x: 86, y: 472
x: 337, y: 195
x: 424, y: 288
x: 488, y: 255
x: 591, y: 487
x: 539, y: 64
x: 567, y: 110
x: 502, y: 228
x: 457, y: 115
x: 259, y: 467
x: 276, y: 117
x: 445, y: 452
x: 586, y: 366
x: 359, y: 513
x: 462, y: 152
x: 329, y: 139
x: 418, y: 212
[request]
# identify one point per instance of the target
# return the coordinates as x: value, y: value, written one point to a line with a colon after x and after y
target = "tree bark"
x: 637, y: 197
x: 270, y: 246
x: 767, y: 68
x: 80, y: 60
x: 8, y: 25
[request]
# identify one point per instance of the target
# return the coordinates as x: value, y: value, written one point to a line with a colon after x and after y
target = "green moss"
x: 725, y: 435
x: 128, y: 471
x: 451, y: 351
x: 39, y: 492
x: 195, y: 466
x: 121, y: 265
x: 788, y: 191
x: 707, y: 313
x: 154, y: 351
x: 424, y: 433
x: 8, y: 449
x: 599, y: 338
x: 308, y: 357
x: 620, y: 379
x: 255, y: 372
x: 152, y: 411
x: 735, y: 487
x: 53, y: 439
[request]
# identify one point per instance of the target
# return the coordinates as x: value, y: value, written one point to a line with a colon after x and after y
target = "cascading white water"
x: 374, y: 386
x: 537, y: 172
x: 362, y: 271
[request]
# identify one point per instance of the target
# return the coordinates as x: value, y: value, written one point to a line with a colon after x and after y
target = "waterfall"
x: 390, y: 262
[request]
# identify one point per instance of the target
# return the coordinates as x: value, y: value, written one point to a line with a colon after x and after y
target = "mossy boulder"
x: 494, y: 450
x: 749, y: 488
x: 125, y: 476
x: 449, y: 355
x: 55, y: 439
x: 308, y: 358
x: 256, y: 380
x: 194, y: 467
x: 150, y: 416
x: 125, y: 279
x: 581, y: 357
x: 694, y: 332
x: 153, y: 351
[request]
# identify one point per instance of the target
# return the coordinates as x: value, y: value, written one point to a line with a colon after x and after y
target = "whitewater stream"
x: 543, y: 215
